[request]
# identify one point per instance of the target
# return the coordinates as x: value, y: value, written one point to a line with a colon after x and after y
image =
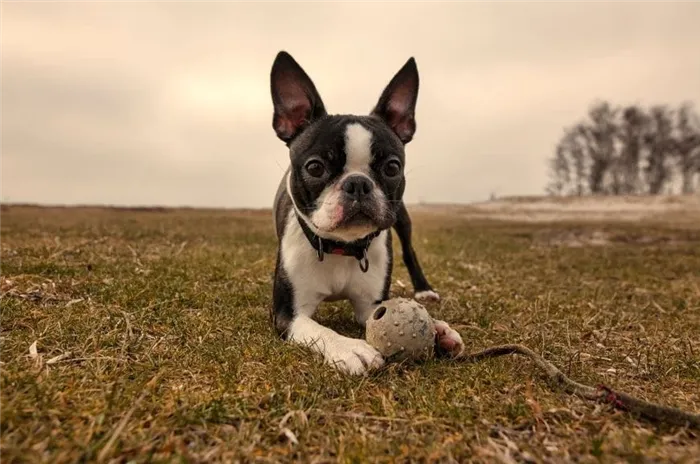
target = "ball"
x: 401, y: 328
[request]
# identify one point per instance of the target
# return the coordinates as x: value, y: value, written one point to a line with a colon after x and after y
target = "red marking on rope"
x: 611, y: 397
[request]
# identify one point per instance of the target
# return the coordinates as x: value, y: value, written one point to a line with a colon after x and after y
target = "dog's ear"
x: 294, y: 97
x: 397, y: 104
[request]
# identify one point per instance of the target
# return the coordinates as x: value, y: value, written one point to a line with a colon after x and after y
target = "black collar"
x: 357, y: 249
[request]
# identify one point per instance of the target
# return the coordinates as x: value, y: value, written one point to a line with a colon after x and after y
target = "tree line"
x: 628, y: 150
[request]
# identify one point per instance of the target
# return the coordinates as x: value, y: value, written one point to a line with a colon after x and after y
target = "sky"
x: 168, y: 103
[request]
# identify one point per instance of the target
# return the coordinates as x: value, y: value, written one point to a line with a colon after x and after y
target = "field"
x: 144, y: 335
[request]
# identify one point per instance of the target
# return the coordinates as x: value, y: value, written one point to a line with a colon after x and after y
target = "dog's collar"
x: 357, y: 249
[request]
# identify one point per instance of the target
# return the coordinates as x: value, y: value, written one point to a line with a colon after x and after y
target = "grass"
x: 153, y: 343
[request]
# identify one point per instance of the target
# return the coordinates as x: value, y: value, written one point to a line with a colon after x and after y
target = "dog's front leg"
x: 423, y: 290
x: 292, y: 318
x: 350, y: 355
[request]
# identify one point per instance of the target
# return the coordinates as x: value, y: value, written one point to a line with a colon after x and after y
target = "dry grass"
x: 151, y: 342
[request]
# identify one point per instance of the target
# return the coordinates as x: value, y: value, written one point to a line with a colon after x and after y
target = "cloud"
x: 168, y: 103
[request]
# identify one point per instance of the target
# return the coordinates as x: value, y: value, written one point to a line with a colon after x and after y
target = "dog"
x: 334, y: 210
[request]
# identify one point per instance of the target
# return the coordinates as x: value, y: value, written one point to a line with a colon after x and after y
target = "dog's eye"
x: 315, y: 168
x: 392, y: 168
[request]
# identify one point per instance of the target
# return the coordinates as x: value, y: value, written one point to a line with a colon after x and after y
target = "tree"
x: 599, y: 139
x: 559, y: 170
x: 631, y: 135
x: 568, y: 169
x: 660, y: 144
x: 577, y: 154
x: 687, y: 146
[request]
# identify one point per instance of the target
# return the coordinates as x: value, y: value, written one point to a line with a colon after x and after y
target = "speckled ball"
x: 401, y: 328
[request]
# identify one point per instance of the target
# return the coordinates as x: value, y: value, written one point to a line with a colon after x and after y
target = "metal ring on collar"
x: 364, y: 262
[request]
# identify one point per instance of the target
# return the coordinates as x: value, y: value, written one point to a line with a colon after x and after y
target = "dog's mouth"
x: 358, y: 218
x: 360, y: 214
x: 352, y: 220
x: 364, y: 215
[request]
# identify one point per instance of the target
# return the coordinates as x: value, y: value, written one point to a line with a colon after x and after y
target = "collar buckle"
x: 358, y: 249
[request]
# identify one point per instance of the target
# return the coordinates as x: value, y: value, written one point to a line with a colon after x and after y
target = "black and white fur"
x: 345, y: 182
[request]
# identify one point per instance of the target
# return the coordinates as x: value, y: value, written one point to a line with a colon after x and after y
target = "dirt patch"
x: 683, y: 209
x: 572, y: 238
x: 577, y: 238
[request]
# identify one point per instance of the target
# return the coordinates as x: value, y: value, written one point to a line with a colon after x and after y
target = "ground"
x: 144, y: 334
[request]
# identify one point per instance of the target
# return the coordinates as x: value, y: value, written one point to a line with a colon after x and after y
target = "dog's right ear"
x: 294, y: 97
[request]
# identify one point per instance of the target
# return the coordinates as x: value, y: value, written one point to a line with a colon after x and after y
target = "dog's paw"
x: 427, y: 296
x: 447, y: 340
x: 353, y: 356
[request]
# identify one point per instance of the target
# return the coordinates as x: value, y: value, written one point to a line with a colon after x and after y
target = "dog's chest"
x: 336, y: 277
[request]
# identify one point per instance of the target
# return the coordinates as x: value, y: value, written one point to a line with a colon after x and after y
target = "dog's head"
x: 347, y: 172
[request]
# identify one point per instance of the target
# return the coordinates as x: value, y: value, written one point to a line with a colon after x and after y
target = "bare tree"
x: 559, y: 170
x: 577, y: 155
x: 631, y: 135
x: 687, y: 146
x: 660, y: 144
x: 599, y: 137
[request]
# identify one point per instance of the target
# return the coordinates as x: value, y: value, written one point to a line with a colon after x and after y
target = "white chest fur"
x: 336, y: 277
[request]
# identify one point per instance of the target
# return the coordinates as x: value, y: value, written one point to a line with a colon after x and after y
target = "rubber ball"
x: 401, y: 328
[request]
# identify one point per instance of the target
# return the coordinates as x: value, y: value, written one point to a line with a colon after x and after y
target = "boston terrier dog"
x: 334, y: 211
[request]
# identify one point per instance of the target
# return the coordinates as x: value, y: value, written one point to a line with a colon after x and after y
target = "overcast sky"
x: 139, y: 103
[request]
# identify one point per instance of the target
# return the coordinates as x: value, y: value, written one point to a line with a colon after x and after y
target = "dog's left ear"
x: 397, y: 105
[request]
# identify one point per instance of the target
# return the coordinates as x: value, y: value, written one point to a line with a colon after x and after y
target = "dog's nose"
x: 357, y: 187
